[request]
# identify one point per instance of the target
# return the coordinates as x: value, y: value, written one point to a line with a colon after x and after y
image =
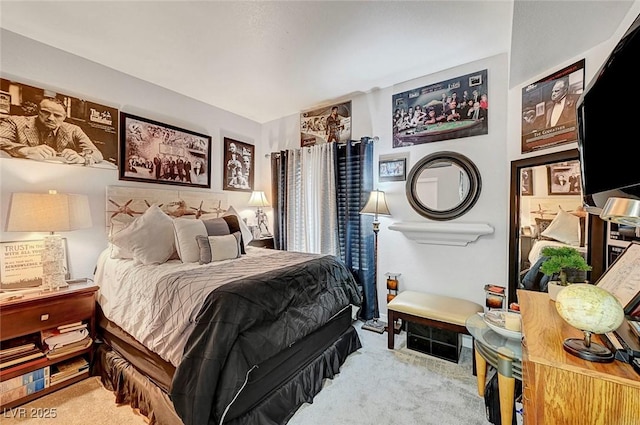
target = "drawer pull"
x: 44, y: 317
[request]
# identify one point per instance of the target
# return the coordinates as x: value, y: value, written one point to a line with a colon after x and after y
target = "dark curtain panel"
x: 354, y: 175
x: 279, y: 197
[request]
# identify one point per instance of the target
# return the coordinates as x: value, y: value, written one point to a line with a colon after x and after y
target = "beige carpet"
x: 375, y: 385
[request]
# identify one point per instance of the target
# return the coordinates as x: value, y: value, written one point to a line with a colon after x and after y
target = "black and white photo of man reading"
x: 46, y: 136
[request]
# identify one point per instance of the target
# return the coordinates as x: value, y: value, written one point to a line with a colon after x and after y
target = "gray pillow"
x: 218, y: 248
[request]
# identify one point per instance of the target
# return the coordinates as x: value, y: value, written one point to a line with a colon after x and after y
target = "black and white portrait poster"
x: 549, y: 109
x: 154, y: 152
x: 44, y: 125
x: 325, y: 125
x: 238, y: 165
x: 450, y: 109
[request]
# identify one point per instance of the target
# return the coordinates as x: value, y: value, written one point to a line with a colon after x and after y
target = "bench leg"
x: 391, y: 329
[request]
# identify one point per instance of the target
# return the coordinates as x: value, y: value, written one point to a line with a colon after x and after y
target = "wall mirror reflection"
x: 546, y: 209
x: 443, y: 185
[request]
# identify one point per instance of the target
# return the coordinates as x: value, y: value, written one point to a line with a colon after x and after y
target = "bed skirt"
x: 295, y: 384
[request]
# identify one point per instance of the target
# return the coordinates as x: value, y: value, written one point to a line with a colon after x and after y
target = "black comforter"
x: 245, y: 322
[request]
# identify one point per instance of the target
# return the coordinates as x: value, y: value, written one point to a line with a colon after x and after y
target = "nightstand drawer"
x: 52, y: 313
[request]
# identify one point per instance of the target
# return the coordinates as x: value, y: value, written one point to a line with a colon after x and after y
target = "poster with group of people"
x: 326, y: 125
x: 238, y: 165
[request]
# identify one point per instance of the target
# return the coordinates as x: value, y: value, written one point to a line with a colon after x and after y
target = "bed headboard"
x: 124, y: 204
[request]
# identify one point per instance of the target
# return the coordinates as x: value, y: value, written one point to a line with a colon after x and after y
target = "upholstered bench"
x: 432, y: 311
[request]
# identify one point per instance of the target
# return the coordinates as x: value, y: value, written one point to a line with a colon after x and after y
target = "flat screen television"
x: 608, y: 139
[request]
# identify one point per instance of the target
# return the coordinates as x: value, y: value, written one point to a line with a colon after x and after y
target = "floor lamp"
x: 376, y: 205
x: 49, y: 212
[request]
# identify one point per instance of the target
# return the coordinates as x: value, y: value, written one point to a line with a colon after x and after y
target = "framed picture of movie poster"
x: 450, y: 109
x: 21, y: 263
x: 563, y: 178
x: 91, y: 126
x: 153, y: 152
x: 549, y: 109
x: 326, y: 125
x: 238, y: 165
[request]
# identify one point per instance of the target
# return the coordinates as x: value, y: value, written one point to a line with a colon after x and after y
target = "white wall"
x: 27, y: 61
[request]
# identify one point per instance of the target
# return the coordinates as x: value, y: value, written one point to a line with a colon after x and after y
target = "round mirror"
x: 443, y: 185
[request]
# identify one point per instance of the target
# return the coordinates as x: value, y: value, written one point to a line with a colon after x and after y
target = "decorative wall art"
x: 45, y: 125
x: 450, y: 109
x: 325, y: 125
x: 526, y: 182
x: 390, y: 170
x: 549, y: 109
x: 238, y: 165
x: 564, y: 178
x: 21, y: 264
x: 154, y: 152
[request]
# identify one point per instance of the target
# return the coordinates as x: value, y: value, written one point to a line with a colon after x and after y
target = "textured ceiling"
x: 265, y: 60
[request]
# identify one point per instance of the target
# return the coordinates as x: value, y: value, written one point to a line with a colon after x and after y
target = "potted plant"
x: 559, y: 262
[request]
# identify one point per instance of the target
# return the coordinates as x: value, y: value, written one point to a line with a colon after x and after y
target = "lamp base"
x: 593, y: 352
x: 374, y: 325
x: 53, y: 270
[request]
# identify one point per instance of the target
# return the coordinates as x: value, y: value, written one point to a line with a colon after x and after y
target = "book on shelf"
x: 24, y: 379
x: 54, y: 338
x: 31, y: 364
x: 68, y: 369
x: 69, y: 348
x: 15, y: 359
x: 24, y: 390
x: 17, y: 349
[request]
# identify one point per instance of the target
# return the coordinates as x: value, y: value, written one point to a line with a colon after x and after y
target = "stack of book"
x: 66, y: 339
x: 17, y: 352
x: 23, y: 385
x: 68, y: 369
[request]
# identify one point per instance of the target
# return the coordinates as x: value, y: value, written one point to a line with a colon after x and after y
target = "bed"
x: 242, y: 340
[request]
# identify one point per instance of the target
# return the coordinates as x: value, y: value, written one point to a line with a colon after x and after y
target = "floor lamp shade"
x: 49, y: 212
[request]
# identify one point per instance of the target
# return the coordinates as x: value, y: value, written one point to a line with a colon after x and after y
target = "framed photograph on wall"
x: 549, y: 108
x: 392, y: 170
x: 451, y: 109
x: 526, y: 182
x: 21, y: 264
x: 563, y: 178
x: 238, y: 165
x: 154, y: 152
x: 326, y: 125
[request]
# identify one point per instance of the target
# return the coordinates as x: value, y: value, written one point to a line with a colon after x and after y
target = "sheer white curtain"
x: 311, y: 200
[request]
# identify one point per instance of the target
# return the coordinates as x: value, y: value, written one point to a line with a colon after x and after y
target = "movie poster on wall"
x: 549, y: 107
x: 44, y: 125
x: 450, y: 109
x: 326, y: 125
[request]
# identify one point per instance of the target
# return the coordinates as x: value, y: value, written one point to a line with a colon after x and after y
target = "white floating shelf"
x: 441, y: 233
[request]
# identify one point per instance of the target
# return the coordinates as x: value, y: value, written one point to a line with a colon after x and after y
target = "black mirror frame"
x: 475, y: 185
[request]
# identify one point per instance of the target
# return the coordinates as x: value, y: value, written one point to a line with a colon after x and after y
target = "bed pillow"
x: 225, y: 225
x: 247, y: 235
x: 115, y: 251
x: 541, y: 226
x: 150, y: 237
x: 564, y: 228
x: 218, y: 248
x: 186, y: 230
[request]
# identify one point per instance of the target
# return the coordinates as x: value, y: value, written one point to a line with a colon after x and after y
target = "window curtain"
x: 354, y: 170
x: 304, y: 193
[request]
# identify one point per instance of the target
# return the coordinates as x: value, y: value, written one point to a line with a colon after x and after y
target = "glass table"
x: 505, y: 354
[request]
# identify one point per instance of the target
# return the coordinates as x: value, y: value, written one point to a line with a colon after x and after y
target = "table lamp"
x: 49, y: 212
x: 376, y: 205
x: 258, y: 199
x: 594, y: 311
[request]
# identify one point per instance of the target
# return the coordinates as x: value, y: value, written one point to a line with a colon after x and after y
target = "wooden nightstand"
x: 35, y: 312
x: 262, y: 242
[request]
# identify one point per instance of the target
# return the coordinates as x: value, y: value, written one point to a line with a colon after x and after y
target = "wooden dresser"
x: 561, y: 389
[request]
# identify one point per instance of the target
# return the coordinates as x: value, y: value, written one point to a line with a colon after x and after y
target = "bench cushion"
x: 435, y: 307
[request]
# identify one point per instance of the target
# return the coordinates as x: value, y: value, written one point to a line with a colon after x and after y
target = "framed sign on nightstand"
x: 21, y: 264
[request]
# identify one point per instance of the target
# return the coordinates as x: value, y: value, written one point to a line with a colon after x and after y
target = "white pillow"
x: 116, y: 252
x: 564, y: 228
x: 186, y: 231
x: 218, y: 248
x: 247, y: 235
x: 150, y: 238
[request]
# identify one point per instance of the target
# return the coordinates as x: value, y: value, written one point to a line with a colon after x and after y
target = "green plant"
x: 561, y: 259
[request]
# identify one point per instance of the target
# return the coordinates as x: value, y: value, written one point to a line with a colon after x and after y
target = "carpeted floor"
x: 375, y: 386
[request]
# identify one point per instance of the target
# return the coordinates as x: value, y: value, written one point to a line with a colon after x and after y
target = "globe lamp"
x: 594, y: 311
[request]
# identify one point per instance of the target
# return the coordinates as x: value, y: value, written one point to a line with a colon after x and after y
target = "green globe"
x: 589, y: 308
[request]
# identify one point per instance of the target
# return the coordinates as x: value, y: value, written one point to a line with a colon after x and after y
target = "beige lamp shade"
x: 48, y: 212
x: 376, y: 205
x: 258, y: 199
x: 622, y: 211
